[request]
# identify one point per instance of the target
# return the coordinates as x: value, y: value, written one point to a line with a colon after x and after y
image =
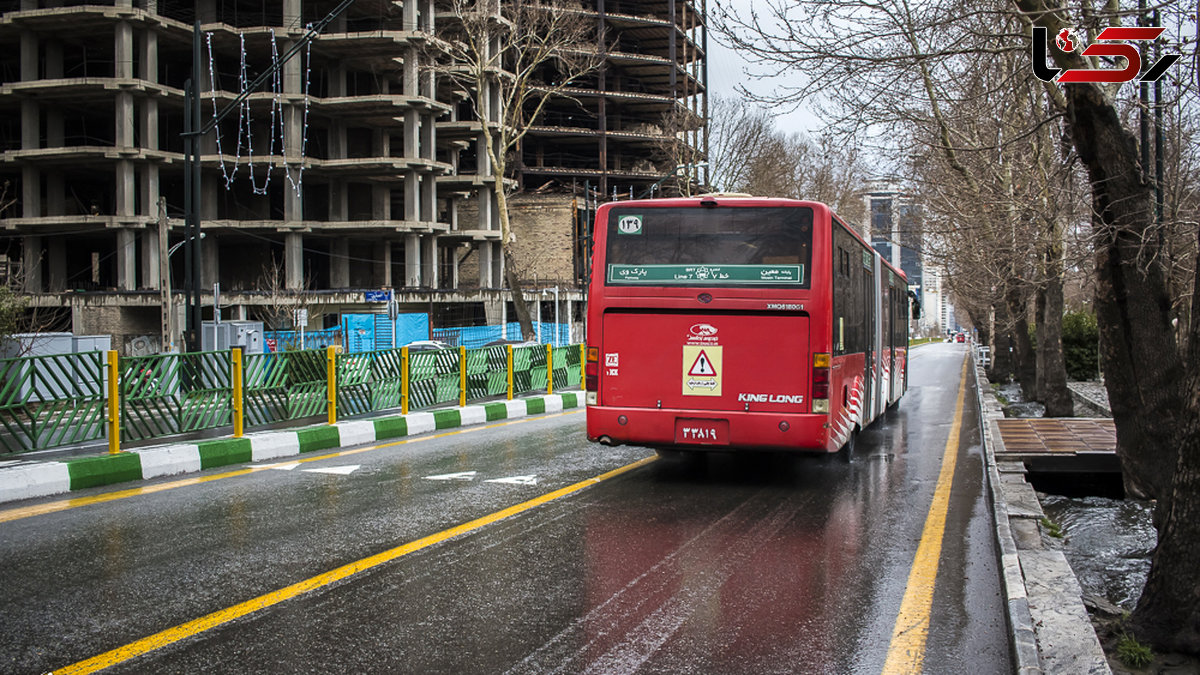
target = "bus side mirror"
x: 916, y: 305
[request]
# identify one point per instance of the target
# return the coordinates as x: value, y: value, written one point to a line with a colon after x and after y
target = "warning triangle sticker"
x: 702, y: 367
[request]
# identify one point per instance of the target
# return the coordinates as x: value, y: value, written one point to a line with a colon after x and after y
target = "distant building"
x: 897, y: 233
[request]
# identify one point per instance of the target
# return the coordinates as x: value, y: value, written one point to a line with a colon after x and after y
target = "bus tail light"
x: 591, y: 370
x: 820, y: 383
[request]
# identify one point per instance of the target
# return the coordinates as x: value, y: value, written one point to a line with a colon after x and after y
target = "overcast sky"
x: 727, y: 69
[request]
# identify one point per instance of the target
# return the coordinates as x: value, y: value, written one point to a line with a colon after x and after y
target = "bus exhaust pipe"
x: 607, y: 440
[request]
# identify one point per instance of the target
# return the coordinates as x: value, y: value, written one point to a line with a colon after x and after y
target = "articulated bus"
x: 737, y: 322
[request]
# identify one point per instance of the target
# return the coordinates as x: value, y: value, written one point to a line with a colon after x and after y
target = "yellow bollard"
x: 114, y: 405
x: 239, y: 404
x: 582, y: 364
x: 331, y: 373
x: 510, y: 374
x: 549, y: 369
x: 404, y: 380
x: 462, y: 376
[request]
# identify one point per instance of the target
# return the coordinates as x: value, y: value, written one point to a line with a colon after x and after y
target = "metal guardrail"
x: 54, y: 401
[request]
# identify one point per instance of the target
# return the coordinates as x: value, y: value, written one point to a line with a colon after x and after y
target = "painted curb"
x: 1022, y: 637
x: 31, y: 479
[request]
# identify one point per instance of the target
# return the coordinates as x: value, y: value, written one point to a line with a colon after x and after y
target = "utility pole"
x: 164, y: 280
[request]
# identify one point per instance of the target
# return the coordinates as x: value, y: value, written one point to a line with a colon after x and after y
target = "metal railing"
x: 67, y: 399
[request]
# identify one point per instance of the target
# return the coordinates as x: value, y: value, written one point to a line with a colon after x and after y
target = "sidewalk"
x: 1049, y: 627
x: 24, y: 477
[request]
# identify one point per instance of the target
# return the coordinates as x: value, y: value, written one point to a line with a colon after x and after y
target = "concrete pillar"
x: 428, y: 198
x: 291, y: 14
x: 339, y: 263
x: 126, y: 260
x: 412, y: 199
x: 31, y: 192
x: 57, y: 254
x: 383, y: 265
x: 486, y: 212
x: 150, y: 190
x: 412, y: 260
x: 485, y: 265
x: 293, y: 259
x: 31, y: 263
x: 126, y: 189
x: 150, y: 257
x: 410, y: 16
x: 429, y: 261
x: 29, y: 56
x: 123, y: 50
x: 31, y: 125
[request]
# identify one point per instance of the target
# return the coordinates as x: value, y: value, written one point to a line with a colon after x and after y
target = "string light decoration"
x: 245, y: 121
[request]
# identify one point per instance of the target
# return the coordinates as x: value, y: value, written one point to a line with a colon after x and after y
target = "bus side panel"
x: 847, y: 389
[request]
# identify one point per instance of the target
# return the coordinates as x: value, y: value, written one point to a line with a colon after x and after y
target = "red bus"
x: 736, y: 322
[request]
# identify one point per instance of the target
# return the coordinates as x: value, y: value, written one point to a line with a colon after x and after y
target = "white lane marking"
x: 284, y: 466
x: 515, y: 480
x: 338, y: 470
x: 461, y: 475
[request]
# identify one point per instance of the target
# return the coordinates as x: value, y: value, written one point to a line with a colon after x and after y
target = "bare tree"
x: 511, y: 59
x: 279, y: 308
x: 859, y: 56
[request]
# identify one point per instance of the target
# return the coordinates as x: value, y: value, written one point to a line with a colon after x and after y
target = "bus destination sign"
x: 662, y: 275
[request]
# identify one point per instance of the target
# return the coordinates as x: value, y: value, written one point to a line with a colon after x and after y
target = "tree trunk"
x: 1002, y: 353
x: 1157, y: 418
x: 1023, y: 357
x: 518, y: 298
x: 1056, y: 396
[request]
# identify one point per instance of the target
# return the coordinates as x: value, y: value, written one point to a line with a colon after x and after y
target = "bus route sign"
x: 664, y: 275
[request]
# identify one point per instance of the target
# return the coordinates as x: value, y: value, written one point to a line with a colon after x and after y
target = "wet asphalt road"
x: 728, y: 564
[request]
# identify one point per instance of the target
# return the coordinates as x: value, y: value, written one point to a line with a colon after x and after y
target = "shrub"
x: 1081, y: 343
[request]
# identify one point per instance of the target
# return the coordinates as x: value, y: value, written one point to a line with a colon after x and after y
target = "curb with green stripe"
x: 40, y: 479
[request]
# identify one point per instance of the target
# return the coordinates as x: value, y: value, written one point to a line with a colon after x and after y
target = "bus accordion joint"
x: 820, y: 383
x: 591, y: 372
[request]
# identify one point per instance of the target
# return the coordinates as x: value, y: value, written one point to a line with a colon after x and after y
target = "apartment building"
x: 355, y: 169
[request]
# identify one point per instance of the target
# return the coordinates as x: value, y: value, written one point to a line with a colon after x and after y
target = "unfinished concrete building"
x: 353, y: 171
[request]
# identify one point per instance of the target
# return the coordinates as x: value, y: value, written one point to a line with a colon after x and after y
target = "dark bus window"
x: 724, y: 246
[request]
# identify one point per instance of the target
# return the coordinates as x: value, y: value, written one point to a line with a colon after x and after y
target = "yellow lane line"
x: 76, y: 502
x: 907, y: 650
x: 224, y: 616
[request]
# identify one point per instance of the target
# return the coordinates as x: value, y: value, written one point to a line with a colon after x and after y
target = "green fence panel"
x: 432, y: 377
x: 50, y: 401
x: 566, y: 367
x: 205, y: 390
x: 281, y: 386
x: 150, y: 395
x: 354, y: 383
x: 487, y: 372
x: 386, y: 374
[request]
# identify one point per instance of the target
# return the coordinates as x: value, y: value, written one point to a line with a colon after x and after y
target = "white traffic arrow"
x: 285, y: 466
x: 461, y: 475
x: 338, y: 470
x: 515, y: 480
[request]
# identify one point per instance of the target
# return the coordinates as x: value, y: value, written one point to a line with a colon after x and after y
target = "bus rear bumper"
x: 708, y: 429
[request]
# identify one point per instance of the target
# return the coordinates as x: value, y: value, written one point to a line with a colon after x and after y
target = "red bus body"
x: 786, y: 353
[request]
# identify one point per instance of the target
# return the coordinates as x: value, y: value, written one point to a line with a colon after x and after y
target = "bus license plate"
x: 690, y: 431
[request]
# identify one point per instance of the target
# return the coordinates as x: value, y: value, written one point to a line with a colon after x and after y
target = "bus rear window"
x: 724, y: 246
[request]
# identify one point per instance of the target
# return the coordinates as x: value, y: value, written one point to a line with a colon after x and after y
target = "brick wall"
x: 544, y: 249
